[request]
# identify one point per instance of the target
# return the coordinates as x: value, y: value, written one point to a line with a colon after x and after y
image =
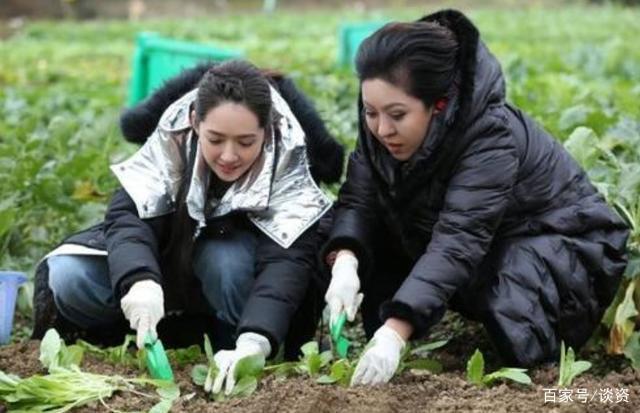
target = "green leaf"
x: 569, y: 368
x: 208, y: 350
x: 283, y: 370
x: 429, y: 347
x: 582, y: 145
x: 8, y: 383
x: 514, y: 374
x: 121, y: 353
x: 312, y: 364
x: 184, y: 356
x: 49, y: 349
x: 424, y: 364
x: 169, y: 392
x: 632, y: 350
x: 245, y: 387
x: 212, y: 372
x: 199, y: 374
x: 324, y: 379
x: 71, y: 355
x: 578, y: 368
x: 475, y: 368
x: 574, y: 116
x: 163, y: 406
x: 325, y: 358
x: 310, y: 348
x: 249, y: 366
x: 340, y: 372
x: 623, y: 323
x: 7, y: 214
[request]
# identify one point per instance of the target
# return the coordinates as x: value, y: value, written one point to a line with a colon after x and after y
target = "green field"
x: 63, y: 84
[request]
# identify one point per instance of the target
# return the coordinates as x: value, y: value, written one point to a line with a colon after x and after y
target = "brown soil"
x: 411, y: 392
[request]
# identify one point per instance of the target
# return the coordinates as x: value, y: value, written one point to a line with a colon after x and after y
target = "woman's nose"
x: 385, y: 127
x: 228, y: 154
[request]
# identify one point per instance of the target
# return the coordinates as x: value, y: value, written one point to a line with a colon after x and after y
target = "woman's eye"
x: 214, y: 141
x: 246, y: 144
x: 369, y: 114
x: 397, y: 116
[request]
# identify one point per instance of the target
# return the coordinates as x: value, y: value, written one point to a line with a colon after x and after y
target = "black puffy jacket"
x: 485, y: 175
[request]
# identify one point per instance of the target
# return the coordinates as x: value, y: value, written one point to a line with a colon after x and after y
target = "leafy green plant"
x: 340, y: 372
x: 184, y: 356
x: 118, y: 355
x: 418, y: 358
x: 475, y: 372
x: 570, y: 368
x: 203, y: 375
x: 247, y: 373
x: 54, y: 353
x: 312, y: 360
x: 67, y: 387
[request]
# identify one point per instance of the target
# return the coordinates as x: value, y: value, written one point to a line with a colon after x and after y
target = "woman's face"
x: 399, y: 121
x: 230, y: 139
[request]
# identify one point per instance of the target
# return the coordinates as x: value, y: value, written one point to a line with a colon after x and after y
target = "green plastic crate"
x: 157, y: 59
x: 350, y: 37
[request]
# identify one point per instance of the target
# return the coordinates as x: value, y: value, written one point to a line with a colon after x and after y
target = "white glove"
x: 247, y: 344
x: 143, y: 306
x: 381, y: 358
x: 342, y: 294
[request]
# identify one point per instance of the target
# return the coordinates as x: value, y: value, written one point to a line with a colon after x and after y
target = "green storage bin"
x: 350, y: 37
x: 157, y: 59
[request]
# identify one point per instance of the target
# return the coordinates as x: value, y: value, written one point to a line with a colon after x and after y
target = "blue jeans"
x: 225, y: 267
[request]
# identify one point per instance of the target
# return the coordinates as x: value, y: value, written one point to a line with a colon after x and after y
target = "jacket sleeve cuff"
x: 125, y: 283
x: 421, y: 321
x: 344, y: 242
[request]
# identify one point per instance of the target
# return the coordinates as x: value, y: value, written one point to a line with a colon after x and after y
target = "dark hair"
x: 234, y: 81
x: 419, y: 57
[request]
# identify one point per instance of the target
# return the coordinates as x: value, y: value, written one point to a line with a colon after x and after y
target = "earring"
x: 440, y: 105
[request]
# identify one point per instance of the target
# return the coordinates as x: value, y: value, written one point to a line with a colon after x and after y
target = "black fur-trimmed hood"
x: 481, y: 79
x: 326, y: 155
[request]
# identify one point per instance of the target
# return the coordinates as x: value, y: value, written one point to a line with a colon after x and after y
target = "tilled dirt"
x: 610, y: 386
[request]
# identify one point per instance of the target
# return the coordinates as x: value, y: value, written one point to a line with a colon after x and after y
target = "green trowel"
x: 340, y: 342
x: 157, y: 361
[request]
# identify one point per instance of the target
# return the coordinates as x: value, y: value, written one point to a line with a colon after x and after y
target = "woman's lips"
x: 394, y: 147
x: 227, y: 169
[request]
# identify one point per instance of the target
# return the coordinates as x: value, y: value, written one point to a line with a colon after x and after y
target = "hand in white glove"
x: 143, y: 306
x: 342, y: 294
x: 381, y: 358
x: 247, y: 344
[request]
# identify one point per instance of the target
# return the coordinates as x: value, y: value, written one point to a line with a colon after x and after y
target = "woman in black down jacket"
x: 455, y: 198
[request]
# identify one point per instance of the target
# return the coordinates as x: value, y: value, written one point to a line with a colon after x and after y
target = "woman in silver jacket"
x: 218, y: 204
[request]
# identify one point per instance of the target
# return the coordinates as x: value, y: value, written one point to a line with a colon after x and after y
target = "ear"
x: 192, y: 119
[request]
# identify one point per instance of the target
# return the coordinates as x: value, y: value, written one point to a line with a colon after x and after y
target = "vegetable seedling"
x: 475, y: 372
x: 569, y: 367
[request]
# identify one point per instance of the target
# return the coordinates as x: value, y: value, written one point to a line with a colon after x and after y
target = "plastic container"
x: 9, y: 283
x: 157, y: 59
x: 350, y: 37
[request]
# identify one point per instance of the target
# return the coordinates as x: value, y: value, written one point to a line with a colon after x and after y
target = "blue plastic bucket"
x: 9, y: 283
